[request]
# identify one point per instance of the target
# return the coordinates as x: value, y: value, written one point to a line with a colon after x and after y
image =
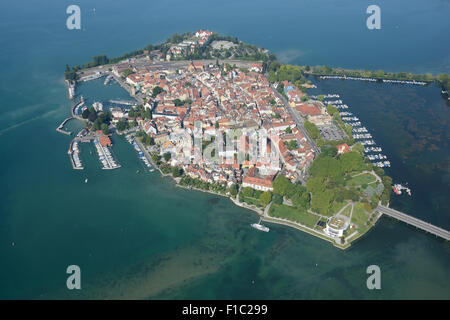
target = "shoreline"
x: 262, y: 212
x: 280, y: 221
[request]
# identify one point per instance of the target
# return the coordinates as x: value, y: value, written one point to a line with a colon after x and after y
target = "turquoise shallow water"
x: 137, y: 235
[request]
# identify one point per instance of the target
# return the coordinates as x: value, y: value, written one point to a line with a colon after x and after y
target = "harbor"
x: 131, y: 139
x: 60, y: 128
x: 413, y: 82
x: 105, y: 156
x: 108, y: 79
x: 71, y: 85
x: 359, y: 132
x: 74, y: 154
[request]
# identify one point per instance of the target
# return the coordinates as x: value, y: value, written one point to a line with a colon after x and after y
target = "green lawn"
x: 346, y: 211
x: 337, y: 206
x: 359, y: 216
x: 360, y: 180
x: 293, y: 214
x: 252, y: 201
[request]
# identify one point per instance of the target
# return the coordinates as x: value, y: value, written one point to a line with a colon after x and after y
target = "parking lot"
x: 331, y: 132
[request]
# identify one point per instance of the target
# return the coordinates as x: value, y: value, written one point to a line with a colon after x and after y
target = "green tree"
x: 332, y: 110
x: 127, y: 72
x: 280, y: 185
x: 92, y: 116
x: 358, y: 147
x: 315, y: 184
x: 265, y: 198
x: 247, y: 192
x: 326, y: 167
x: 104, y: 128
x: 176, y: 172
x: 167, y: 156
x: 156, y: 90
x: 122, y: 125
x: 294, y: 189
x: 329, y: 151
x: 85, y: 113
x: 321, y: 201
x: 312, y: 129
x: 234, y: 189
x: 352, y: 161
x: 277, y: 199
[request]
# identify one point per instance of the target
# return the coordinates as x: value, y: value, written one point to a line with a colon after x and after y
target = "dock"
x: 108, y: 79
x: 124, y: 102
x: 105, y: 156
x: 60, y: 128
x: 74, y: 152
x: 76, y: 105
x: 420, y: 224
x: 71, y: 88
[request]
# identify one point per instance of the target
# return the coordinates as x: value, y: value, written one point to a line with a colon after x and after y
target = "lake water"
x: 137, y: 235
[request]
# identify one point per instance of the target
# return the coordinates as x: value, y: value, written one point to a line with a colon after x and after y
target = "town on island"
x: 222, y: 116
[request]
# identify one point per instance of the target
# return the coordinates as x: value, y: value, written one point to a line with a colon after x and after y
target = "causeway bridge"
x: 439, y: 232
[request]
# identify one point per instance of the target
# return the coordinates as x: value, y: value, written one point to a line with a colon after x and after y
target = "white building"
x: 117, y: 113
x: 335, y: 227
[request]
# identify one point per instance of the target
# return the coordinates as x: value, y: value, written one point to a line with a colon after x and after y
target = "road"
x: 298, y: 120
x: 415, y: 222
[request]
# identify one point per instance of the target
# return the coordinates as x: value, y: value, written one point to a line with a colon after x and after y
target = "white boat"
x: 86, y: 180
x: 260, y: 227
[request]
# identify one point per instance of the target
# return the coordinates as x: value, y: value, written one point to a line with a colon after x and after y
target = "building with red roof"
x: 343, y: 148
x: 105, y: 141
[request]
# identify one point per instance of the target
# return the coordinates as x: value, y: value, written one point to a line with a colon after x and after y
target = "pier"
x: 93, y: 76
x: 71, y: 88
x: 105, y: 157
x: 425, y: 226
x: 74, y: 155
x: 414, y: 82
x: 124, y: 102
x: 76, y: 105
x: 60, y: 128
x: 108, y: 79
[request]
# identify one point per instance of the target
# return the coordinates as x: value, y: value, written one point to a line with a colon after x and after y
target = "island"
x: 225, y: 117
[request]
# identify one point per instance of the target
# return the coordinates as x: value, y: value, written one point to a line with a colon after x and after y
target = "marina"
x: 360, y: 133
x: 327, y: 96
x: 105, y: 156
x: 398, y: 189
x: 130, y: 138
x: 74, y: 154
x: 108, y: 79
x: 361, y: 129
x: 420, y: 83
